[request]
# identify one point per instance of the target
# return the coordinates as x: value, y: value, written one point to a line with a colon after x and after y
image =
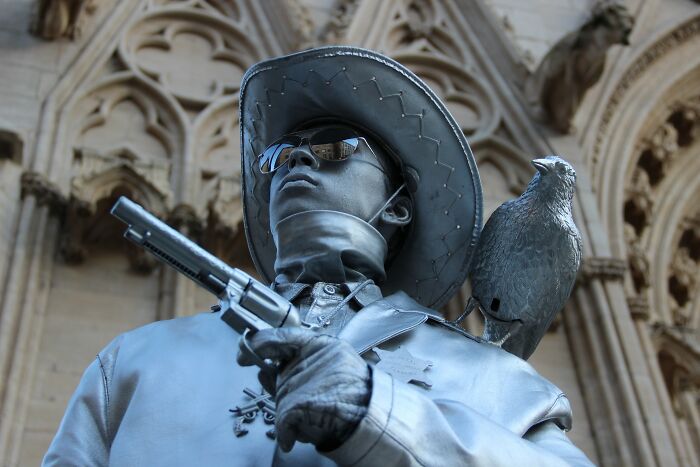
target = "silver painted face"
x: 358, y: 185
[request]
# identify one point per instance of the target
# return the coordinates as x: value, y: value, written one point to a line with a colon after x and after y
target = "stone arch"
x: 647, y: 191
x: 506, y: 169
x: 630, y: 108
x: 422, y: 26
x: 677, y: 202
x: 217, y: 139
x: 150, y: 130
x: 218, y: 165
x: 468, y: 97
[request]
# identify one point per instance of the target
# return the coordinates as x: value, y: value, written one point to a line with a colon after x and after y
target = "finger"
x: 286, y: 432
x: 280, y: 344
x: 268, y: 381
x: 246, y: 356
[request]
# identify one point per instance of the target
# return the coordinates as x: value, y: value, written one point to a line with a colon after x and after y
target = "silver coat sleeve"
x: 83, y: 437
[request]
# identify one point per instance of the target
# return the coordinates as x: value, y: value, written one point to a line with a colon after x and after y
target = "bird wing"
x: 553, y: 274
x: 572, y: 244
x: 487, y: 270
x: 529, y: 266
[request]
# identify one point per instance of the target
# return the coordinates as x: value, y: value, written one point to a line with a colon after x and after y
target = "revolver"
x: 245, y: 304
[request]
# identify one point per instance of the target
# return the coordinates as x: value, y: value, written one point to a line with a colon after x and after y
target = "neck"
x: 328, y: 246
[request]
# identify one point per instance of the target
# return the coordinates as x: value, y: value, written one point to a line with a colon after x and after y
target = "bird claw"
x: 513, y: 328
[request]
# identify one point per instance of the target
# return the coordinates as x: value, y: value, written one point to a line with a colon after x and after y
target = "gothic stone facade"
x: 100, y: 98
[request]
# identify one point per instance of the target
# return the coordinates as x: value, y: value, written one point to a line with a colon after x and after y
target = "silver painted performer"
x: 362, y: 206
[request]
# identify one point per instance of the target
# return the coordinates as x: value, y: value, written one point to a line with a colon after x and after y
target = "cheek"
x: 276, y: 180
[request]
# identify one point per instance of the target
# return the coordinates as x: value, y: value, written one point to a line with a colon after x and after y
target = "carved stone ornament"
x: 98, y: 179
x: 679, y: 359
x: 96, y: 172
x: 334, y: 31
x: 576, y: 63
x: 302, y: 23
x: 11, y: 146
x: 184, y: 218
x: 639, y: 307
x: 602, y: 268
x: 45, y: 192
x: 682, y: 285
x: 62, y: 18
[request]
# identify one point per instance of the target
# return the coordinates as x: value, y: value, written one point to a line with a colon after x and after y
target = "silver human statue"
x: 526, y: 263
x: 362, y: 207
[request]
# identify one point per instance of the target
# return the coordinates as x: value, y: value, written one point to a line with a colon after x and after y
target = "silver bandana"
x: 328, y: 246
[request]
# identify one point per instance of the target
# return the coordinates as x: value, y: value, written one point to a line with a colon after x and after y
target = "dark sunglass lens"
x: 283, y: 156
x: 334, y: 144
x: 337, y: 151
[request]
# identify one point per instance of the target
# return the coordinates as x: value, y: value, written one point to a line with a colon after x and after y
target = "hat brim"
x: 369, y: 90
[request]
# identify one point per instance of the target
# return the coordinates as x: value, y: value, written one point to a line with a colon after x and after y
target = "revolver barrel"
x: 245, y: 303
x: 173, y: 248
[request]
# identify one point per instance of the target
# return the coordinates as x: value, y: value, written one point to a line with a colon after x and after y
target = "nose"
x: 303, y: 157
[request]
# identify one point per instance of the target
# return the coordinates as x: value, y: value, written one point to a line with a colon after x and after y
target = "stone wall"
x: 139, y: 97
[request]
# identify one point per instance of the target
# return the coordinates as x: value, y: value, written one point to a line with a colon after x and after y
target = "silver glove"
x: 322, y: 388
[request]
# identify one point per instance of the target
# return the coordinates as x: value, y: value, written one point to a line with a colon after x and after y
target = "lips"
x: 298, y: 179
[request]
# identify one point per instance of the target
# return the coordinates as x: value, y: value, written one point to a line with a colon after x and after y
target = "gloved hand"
x: 322, y: 389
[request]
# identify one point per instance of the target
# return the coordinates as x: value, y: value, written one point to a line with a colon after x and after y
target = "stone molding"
x: 606, y: 269
x: 639, y: 307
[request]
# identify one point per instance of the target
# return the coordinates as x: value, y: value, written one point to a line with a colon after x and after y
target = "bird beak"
x: 543, y: 165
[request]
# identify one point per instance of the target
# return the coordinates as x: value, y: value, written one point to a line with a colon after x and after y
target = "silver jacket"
x: 161, y: 394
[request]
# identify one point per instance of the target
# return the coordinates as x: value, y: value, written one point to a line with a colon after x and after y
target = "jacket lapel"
x: 382, y: 320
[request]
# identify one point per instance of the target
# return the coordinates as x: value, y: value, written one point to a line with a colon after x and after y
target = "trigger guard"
x: 264, y: 364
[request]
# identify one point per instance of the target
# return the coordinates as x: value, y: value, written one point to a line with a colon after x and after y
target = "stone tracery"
x: 217, y: 50
x: 662, y: 235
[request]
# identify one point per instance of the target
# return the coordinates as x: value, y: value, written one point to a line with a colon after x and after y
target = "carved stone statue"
x: 576, y: 63
x: 61, y: 18
x: 362, y: 207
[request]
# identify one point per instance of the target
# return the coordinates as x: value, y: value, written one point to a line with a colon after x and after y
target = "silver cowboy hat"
x: 373, y: 93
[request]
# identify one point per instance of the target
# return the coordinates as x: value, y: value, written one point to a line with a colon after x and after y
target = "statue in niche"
x: 362, y: 208
x: 577, y: 62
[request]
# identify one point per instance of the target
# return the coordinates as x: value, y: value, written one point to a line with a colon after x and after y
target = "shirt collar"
x: 369, y: 293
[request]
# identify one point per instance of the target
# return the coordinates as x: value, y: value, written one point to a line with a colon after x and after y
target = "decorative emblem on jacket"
x: 403, y: 366
x: 258, y: 403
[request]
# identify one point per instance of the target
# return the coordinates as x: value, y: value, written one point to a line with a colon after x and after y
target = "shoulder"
x: 491, y: 380
x: 164, y: 339
x: 500, y: 385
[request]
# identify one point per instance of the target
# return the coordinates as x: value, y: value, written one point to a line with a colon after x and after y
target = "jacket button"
x: 329, y: 289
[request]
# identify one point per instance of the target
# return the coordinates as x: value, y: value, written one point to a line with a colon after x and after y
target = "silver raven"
x: 527, y: 259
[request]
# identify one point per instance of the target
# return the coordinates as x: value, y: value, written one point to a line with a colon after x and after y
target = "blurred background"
x: 100, y: 98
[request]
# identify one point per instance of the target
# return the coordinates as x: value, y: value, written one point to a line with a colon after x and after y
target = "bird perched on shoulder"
x: 527, y: 259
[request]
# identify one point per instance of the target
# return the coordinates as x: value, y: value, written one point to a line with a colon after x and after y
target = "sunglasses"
x: 329, y: 144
